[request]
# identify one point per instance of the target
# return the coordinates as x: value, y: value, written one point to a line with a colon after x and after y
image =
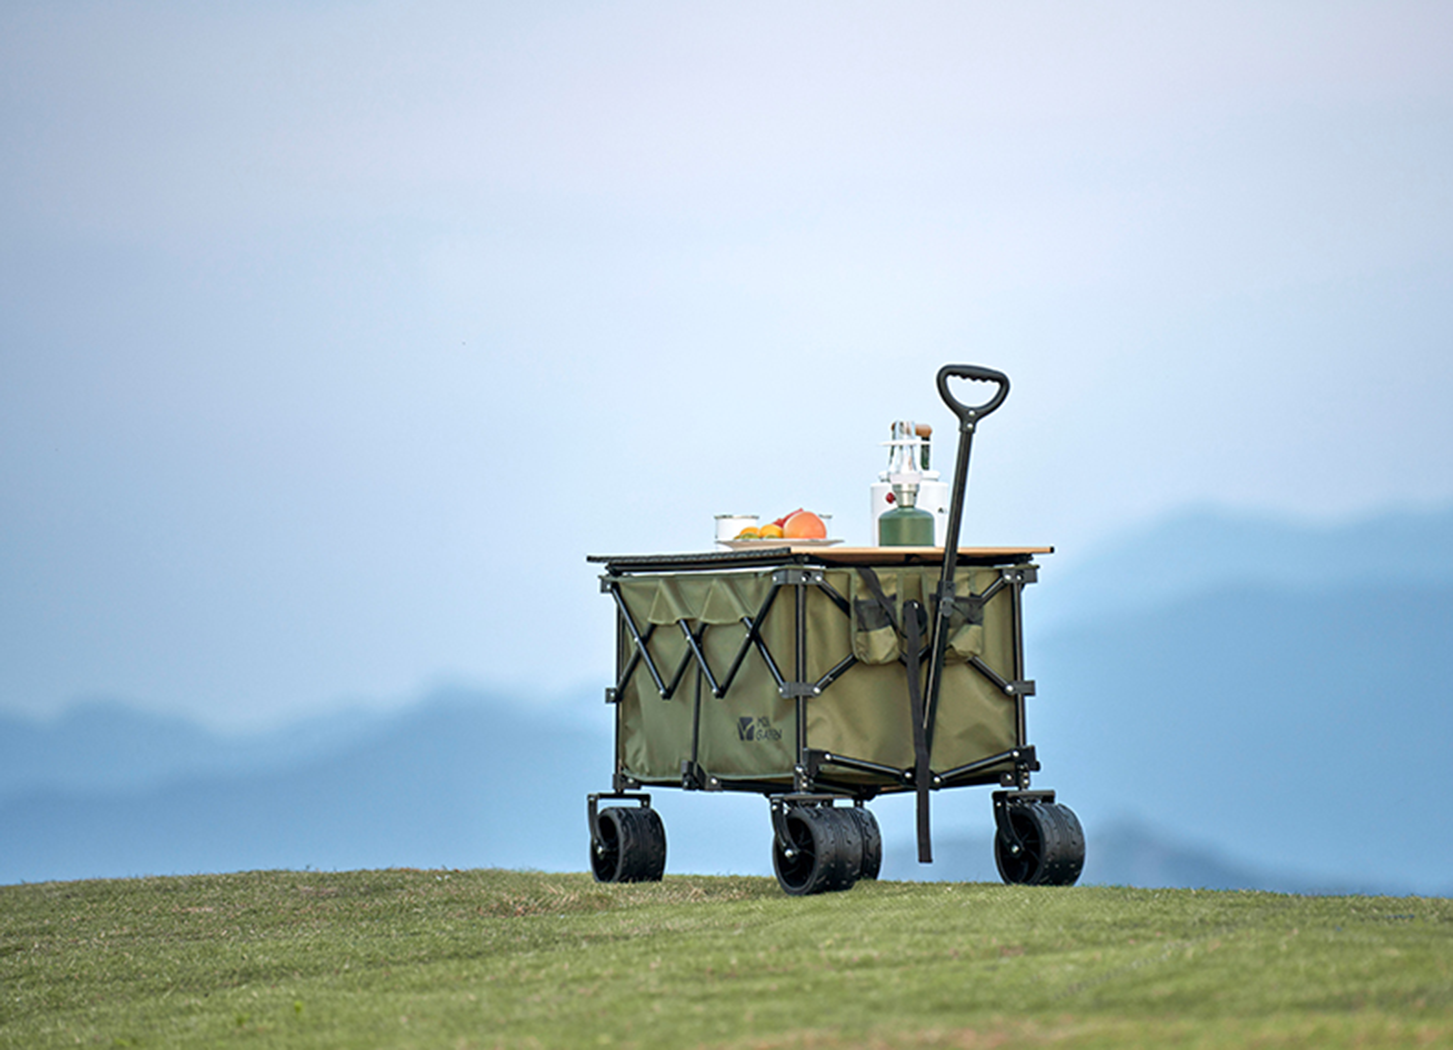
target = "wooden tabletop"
x: 909, y: 555
x: 788, y: 552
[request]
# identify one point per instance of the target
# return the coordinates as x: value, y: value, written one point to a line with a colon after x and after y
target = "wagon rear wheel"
x: 631, y: 847
x: 1051, y: 847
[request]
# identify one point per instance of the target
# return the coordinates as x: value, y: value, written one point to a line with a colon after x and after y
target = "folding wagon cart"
x: 822, y: 677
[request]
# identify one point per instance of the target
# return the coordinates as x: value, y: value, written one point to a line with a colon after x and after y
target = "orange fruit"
x: 804, y: 525
x: 749, y: 533
x: 771, y: 532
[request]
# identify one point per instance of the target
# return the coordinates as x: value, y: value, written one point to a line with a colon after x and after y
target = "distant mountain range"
x: 1202, y: 552
x: 1221, y: 707
x: 459, y: 781
x: 105, y: 746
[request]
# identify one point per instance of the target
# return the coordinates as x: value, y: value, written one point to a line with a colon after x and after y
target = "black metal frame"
x: 811, y: 772
x: 592, y: 807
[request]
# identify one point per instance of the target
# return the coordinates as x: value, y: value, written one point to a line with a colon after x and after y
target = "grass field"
x: 483, y: 959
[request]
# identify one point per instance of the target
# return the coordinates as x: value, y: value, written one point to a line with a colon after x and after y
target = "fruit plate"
x: 747, y: 545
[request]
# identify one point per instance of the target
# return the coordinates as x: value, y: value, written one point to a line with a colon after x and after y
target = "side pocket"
x: 966, y: 621
x: 875, y: 618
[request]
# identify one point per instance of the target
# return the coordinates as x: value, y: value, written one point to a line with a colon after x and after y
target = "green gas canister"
x: 905, y: 525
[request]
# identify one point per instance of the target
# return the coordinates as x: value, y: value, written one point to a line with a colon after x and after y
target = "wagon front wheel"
x: 631, y: 846
x: 826, y: 851
x: 1050, y: 850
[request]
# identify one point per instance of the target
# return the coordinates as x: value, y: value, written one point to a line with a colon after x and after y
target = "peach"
x: 804, y: 525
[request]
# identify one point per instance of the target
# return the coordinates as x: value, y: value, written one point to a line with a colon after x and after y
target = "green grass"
x: 461, y: 959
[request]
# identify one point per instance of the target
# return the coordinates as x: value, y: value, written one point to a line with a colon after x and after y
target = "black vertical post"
x: 1021, y: 732
x: 799, y: 675
x: 618, y: 763
x: 696, y: 726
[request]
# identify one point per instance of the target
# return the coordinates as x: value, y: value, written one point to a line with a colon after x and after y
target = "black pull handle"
x: 968, y: 414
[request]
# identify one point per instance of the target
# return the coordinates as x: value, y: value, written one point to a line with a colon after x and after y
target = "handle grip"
x: 968, y: 414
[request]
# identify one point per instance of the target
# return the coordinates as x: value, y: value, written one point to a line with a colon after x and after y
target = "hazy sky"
x: 333, y: 336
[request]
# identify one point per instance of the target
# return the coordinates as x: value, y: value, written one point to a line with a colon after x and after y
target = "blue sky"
x: 332, y: 337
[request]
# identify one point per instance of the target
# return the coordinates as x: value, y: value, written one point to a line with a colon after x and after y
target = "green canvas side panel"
x: 655, y: 733
x: 749, y: 733
x: 975, y: 719
x: 978, y: 720
x: 865, y: 715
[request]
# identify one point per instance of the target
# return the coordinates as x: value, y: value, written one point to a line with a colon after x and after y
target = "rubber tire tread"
x: 635, y: 842
x: 872, y: 862
x: 1056, y: 843
x: 830, y: 845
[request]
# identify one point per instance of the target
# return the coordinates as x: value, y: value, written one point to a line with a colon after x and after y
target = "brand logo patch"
x: 757, y: 727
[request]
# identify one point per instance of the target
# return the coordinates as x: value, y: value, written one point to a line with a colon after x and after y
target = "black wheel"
x: 827, y: 850
x: 1052, y: 846
x: 872, y: 842
x: 632, y: 845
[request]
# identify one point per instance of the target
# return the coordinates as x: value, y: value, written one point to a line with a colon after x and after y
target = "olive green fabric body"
x: 750, y: 733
